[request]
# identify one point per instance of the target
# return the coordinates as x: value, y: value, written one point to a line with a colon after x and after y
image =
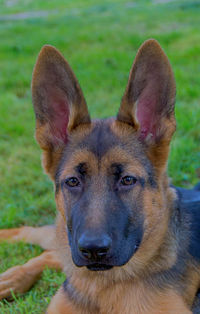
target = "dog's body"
x: 128, y: 241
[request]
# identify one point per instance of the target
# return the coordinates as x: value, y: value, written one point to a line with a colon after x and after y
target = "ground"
x: 100, y: 40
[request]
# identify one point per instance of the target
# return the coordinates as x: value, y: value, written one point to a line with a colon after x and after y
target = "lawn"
x: 100, y: 40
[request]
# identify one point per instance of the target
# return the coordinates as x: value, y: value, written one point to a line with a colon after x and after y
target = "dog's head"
x: 109, y: 174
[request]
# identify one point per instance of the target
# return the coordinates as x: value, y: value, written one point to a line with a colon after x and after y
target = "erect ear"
x: 149, y: 98
x: 58, y: 102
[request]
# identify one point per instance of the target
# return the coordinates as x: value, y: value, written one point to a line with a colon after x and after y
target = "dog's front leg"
x: 43, y: 236
x: 19, y: 279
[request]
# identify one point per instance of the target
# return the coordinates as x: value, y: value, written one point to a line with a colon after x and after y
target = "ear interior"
x: 149, y: 98
x: 150, y: 94
x: 54, y: 118
x: 58, y: 102
x: 57, y: 97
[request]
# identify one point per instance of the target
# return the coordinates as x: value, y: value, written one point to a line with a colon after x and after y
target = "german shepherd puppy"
x: 128, y: 242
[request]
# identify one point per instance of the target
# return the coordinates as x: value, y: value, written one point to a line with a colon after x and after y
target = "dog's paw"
x: 15, y: 279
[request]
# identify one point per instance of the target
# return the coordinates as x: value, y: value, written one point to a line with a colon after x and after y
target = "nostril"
x: 102, y: 252
x: 85, y: 253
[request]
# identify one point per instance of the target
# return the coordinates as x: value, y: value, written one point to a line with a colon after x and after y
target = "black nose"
x: 94, y: 248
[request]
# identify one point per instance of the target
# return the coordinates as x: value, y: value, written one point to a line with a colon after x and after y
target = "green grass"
x: 100, y: 40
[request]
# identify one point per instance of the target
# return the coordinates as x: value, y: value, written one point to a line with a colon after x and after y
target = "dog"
x: 128, y: 241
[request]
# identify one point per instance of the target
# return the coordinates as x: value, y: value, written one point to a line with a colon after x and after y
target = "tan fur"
x: 123, y: 298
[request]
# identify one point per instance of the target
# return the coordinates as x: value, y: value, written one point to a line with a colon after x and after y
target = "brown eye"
x: 72, y: 182
x: 128, y: 180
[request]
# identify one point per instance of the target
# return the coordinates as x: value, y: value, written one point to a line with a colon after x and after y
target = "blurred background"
x: 99, y: 39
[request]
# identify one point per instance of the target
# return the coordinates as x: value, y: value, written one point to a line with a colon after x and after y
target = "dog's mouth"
x: 99, y: 267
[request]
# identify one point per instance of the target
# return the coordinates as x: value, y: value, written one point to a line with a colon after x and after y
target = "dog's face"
x: 100, y: 182
x: 108, y: 174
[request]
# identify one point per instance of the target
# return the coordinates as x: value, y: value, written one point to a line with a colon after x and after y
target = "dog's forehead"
x: 106, y: 134
x: 101, y: 138
x: 103, y: 145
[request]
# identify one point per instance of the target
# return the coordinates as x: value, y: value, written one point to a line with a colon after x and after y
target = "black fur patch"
x: 100, y: 140
x: 196, y: 304
x: 190, y: 204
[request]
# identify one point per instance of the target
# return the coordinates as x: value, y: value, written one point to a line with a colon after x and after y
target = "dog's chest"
x: 140, y: 300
